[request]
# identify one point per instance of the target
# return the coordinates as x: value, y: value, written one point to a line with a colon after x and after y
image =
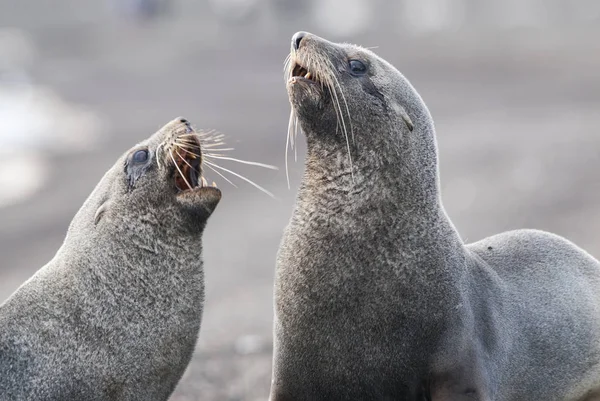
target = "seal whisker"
x: 191, y: 140
x: 188, y: 147
x: 286, y: 66
x: 292, y: 139
x: 180, y: 172
x: 211, y: 143
x: 158, y: 148
x: 296, y: 138
x: 287, y: 143
x: 268, y: 166
x: 189, y: 144
x: 211, y: 139
x: 191, y: 134
x: 241, y: 177
x: 222, y: 176
x: 204, y: 136
x: 202, y: 132
x: 336, y: 106
x: 211, y: 146
x: 188, y: 140
x: 342, y: 116
x: 213, y: 154
x: 193, y: 150
x: 210, y: 134
x: 188, y: 151
x: 186, y: 162
x: 328, y: 83
x: 343, y: 98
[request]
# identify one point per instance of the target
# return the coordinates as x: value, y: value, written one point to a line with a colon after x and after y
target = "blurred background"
x: 514, y: 87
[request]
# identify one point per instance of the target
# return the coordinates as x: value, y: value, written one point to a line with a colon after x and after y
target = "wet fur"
x: 116, y: 313
x: 376, y: 295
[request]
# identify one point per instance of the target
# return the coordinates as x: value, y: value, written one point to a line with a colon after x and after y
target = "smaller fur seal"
x: 377, y: 297
x: 116, y: 313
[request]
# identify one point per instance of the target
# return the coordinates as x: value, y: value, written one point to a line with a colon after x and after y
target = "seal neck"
x: 397, y: 189
x: 406, y: 176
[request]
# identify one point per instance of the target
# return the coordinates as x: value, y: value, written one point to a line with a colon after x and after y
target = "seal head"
x: 351, y: 103
x: 162, y: 175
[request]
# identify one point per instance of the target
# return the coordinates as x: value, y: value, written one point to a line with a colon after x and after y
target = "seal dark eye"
x: 136, y: 165
x: 357, y: 67
x: 141, y: 156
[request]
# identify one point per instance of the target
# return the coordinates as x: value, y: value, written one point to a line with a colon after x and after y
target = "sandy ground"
x: 517, y: 119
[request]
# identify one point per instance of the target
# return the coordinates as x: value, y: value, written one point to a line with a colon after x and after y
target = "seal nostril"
x: 186, y: 123
x: 297, y: 38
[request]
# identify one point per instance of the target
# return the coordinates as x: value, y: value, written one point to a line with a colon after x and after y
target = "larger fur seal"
x: 376, y: 295
x: 116, y: 313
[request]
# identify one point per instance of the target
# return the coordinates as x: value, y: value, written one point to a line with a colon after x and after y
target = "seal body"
x: 376, y: 295
x: 116, y: 313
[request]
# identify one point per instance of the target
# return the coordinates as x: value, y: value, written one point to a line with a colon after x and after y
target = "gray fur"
x: 376, y: 295
x: 116, y: 313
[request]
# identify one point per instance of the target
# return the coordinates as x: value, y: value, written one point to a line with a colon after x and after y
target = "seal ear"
x: 100, y: 212
x: 406, y: 119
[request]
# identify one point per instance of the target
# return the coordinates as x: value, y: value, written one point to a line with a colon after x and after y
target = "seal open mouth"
x: 187, y: 155
x: 302, y: 72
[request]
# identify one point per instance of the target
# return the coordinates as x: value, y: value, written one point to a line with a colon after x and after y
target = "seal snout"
x: 186, y: 123
x: 300, y: 68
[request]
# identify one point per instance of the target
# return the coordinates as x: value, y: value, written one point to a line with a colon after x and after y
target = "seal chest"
x: 116, y: 313
x: 376, y: 295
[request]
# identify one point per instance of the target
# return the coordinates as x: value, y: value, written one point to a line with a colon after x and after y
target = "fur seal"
x: 116, y: 313
x: 376, y: 295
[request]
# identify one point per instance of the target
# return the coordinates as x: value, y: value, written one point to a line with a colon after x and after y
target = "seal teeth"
x: 302, y: 72
x: 214, y: 184
x: 204, y: 182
